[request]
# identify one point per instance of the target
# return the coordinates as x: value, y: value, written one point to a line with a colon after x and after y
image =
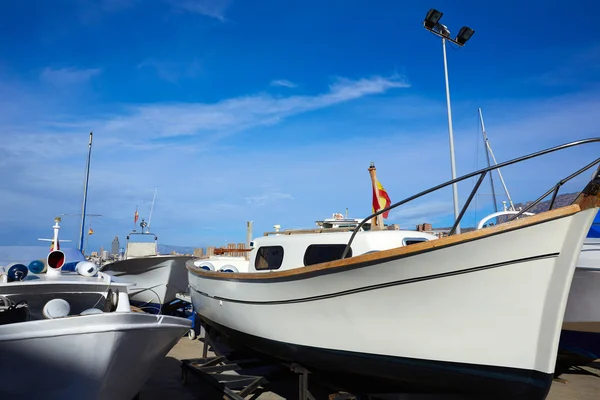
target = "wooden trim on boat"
x: 399, y: 251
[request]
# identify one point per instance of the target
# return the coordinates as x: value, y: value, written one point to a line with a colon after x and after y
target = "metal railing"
x: 482, y: 174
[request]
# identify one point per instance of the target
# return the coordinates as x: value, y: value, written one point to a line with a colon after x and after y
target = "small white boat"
x: 157, y: 278
x: 580, y: 338
x: 476, y: 313
x: 73, y: 335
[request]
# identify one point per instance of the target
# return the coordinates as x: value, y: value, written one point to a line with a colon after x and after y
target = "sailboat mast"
x: 85, y: 187
x: 487, y: 156
x: 489, y: 149
x: 151, y: 209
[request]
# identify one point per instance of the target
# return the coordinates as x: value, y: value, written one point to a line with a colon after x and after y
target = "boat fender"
x: 112, y: 300
x: 37, y: 266
x: 56, y: 308
x: 16, y: 272
x: 228, y: 268
x: 205, y: 265
x: 86, y: 268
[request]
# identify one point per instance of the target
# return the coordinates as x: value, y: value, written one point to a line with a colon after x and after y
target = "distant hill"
x: 168, y: 249
x: 561, y: 201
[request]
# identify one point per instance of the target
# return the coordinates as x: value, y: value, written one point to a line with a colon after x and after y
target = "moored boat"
x: 157, y: 277
x: 476, y: 313
x: 73, y: 334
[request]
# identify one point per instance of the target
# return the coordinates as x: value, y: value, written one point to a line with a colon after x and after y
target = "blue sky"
x: 271, y: 111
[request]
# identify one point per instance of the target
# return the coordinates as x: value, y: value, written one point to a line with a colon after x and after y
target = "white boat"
x: 77, y: 336
x: 477, y: 313
x: 580, y: 337
x: 158, y: 278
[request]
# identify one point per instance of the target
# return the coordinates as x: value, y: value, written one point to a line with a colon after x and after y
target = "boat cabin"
x: 288, y: 251
x: 141, y: 245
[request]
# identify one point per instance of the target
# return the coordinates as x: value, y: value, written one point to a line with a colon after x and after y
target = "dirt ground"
x: 166, y: 382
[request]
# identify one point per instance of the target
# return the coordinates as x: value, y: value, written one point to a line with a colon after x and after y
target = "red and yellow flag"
x: 380, y: 198
x: 135, y: 216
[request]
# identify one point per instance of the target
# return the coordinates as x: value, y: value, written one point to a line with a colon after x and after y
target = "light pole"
x: 431, y: 23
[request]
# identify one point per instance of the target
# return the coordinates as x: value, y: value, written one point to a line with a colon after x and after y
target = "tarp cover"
x: 595, y: 229
x: 26, y: 254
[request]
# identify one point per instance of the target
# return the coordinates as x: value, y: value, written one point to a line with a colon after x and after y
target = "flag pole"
x: 376, y: 222
x: 85, y: 190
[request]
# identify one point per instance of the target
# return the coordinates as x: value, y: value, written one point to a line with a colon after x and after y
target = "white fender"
x: 228, y: 268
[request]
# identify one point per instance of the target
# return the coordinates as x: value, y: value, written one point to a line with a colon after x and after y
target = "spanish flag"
x: 380, y: 198
x: 135, y: 216
x: 91, y: 231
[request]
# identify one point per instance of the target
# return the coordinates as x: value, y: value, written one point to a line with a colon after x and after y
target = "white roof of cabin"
x: 295, y: 245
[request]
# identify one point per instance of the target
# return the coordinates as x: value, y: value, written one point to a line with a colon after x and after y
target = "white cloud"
x: 269, y: 196
x: 214, y: 121
x: 173, y: 71
x: 284, y: 83
x: 211, y: 8
x: 235, y: 180
x: 68, y: 76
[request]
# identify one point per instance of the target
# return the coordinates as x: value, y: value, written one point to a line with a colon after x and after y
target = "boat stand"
x: 213, y: 370
x: 235, y: 386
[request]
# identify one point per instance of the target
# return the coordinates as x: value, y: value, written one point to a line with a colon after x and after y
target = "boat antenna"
x: 85, y: 187
x: 151, y: 209
x: 488, y: 148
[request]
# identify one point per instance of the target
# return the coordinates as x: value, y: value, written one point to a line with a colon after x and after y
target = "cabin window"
x: 319, y: 253
x: 409, y: 241
x: 268, y: 257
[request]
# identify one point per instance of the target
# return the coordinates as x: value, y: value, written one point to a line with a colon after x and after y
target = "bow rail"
x: 482, y: 174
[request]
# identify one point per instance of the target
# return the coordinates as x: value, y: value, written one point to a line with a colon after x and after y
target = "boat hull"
x: 474, y: 317
x: 356, y: 372
x: 106, y: 356
x: 580, y: 338
x: 157, y: 279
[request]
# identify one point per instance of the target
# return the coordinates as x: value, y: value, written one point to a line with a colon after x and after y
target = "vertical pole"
x: 451, y: 138
x: 376, y: 222
x: 248, y: 233
x: 85, y: 186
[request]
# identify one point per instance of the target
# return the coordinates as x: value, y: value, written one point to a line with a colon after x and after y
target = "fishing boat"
x: 476, y: 313
x: 74, y: 335
x: 157, y: 277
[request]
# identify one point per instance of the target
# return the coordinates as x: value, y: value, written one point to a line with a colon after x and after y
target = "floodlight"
x: 464, y: 34
x: 432, y: 18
